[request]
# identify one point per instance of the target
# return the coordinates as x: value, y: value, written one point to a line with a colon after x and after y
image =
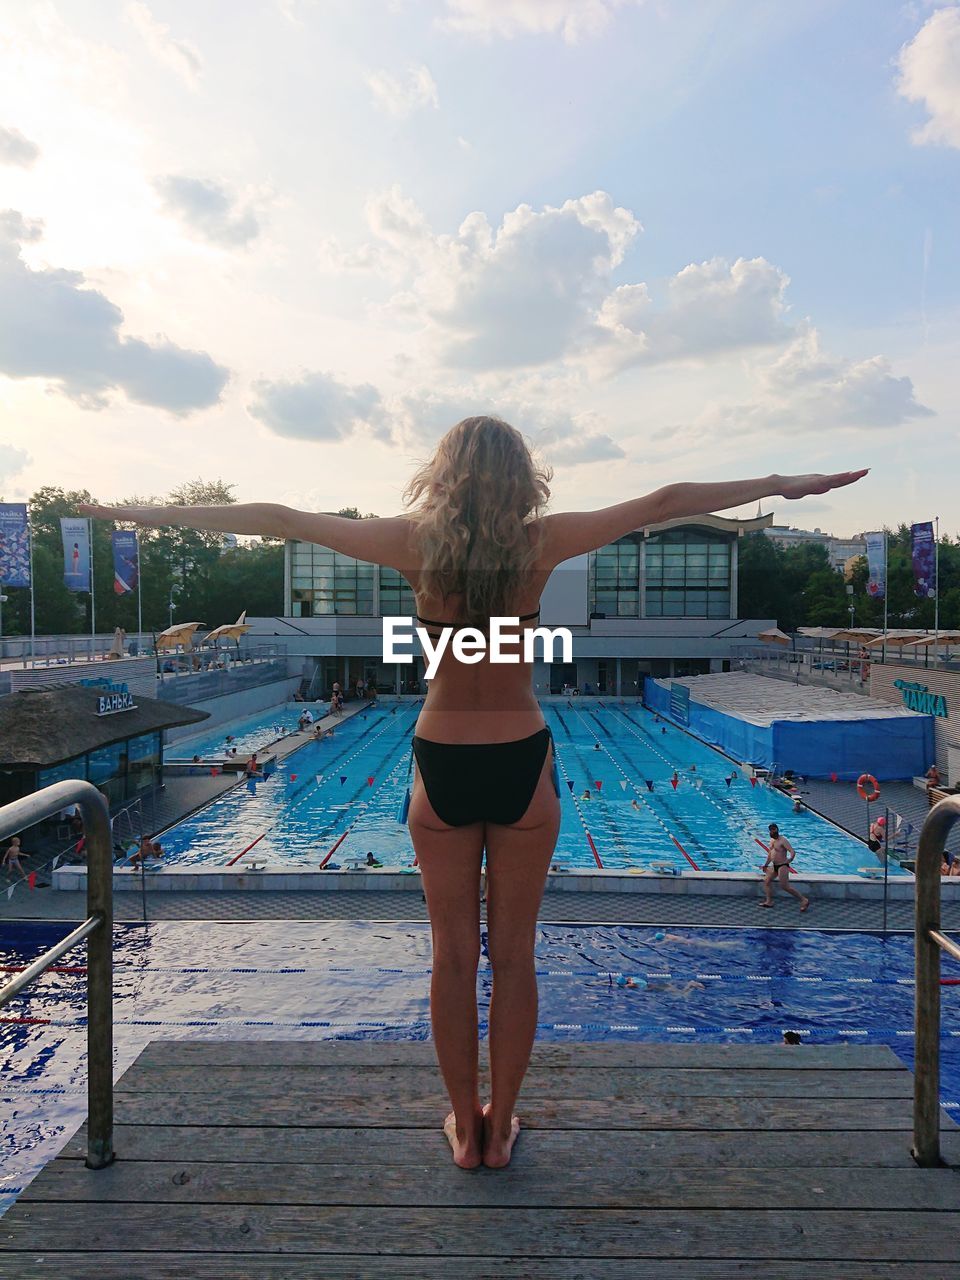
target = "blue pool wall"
x: 901, y: 747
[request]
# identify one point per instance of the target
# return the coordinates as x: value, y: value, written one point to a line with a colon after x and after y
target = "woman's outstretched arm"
x: 386, y: 541
x: 570, y: 533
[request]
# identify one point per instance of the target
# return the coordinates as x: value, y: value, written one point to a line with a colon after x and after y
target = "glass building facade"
x: 687, y: 574
x: 122, y: 770
x: 683, y: 572
x: 679, y: 573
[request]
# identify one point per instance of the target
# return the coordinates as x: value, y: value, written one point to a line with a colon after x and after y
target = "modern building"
x: 840, y: 550
x: 660, y: 601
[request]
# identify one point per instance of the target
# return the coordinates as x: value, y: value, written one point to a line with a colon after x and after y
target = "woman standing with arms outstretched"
x: 476, y: 545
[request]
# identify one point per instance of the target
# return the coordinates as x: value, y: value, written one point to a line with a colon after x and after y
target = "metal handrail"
x: 98, y: 930
x: 929, y: 942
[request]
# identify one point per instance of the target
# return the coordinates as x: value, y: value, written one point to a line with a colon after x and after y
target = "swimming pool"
x: 351, y: 786
x: 249, y: 733
x: 357, y: 979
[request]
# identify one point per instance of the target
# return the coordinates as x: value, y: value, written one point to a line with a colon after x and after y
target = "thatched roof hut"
x: 43, y: 727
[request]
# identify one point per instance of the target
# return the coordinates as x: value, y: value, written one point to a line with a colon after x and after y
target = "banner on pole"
x: 126, y: 561
x: 75, y: 531
x: 14, y: 545
x: 877, y: 565
x: 924, y: 555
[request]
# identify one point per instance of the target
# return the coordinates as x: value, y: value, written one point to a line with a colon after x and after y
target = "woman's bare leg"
x: 518, y: 858
x: 450, y: 859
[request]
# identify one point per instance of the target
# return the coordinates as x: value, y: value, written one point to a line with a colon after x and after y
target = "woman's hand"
x: 137, y: 515
x: 801, y: 486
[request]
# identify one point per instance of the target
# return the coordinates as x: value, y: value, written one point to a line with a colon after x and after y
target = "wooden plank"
x: 292, y: 1266
x: 243, y: 1053
x: 570, y: 1083
x: 551, y: 1148
x: 483, y: 1232
x: 607, y: 1186
x: 240, y: 1106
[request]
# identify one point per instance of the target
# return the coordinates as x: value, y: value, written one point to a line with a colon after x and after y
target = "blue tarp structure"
x: 898, y: 747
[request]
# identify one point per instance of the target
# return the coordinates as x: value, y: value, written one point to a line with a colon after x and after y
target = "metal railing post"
x: 98, y: 930
x: 928, y: 943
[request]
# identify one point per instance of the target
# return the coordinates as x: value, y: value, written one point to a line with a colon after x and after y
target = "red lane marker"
x: 684, y: 852
x: 334, y: 848
x: 247, y: 849
x: 950, y: 982
x: 790, y: 868
x: 45, y: 1021
x: 593, y: 850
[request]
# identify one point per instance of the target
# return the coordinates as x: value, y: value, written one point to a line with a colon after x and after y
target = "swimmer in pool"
x: 635, y: 804
x: 716, y: 944
x: 666, y: 988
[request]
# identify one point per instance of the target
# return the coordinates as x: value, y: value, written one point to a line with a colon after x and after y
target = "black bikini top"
x: 431, y: 622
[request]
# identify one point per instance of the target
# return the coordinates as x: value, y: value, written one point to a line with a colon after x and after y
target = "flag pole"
x: 93, y: 615
x: 936, y: 578
x: 33, y: 616
x: 136, y: 538
x: 886, y: 578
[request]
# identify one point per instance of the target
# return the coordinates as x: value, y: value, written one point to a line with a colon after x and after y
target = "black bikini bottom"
x: 483, y: 782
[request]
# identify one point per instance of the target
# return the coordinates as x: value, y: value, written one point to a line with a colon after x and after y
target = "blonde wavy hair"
x: 472, y: 502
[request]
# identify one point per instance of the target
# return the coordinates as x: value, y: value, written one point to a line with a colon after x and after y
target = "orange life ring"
x: 862, y: 788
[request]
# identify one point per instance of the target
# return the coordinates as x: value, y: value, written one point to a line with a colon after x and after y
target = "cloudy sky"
x: 668, y: 239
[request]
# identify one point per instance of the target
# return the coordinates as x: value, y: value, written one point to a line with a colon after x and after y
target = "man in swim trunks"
x: 780, y: 854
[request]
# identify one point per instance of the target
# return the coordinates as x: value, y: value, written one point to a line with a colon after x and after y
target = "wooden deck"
x: 289, y: 1159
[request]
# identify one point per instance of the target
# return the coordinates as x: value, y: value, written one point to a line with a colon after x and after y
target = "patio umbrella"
x: 773, y: 635
x: 944, y: 637
x: 181, y: 634
x: 895, y: 639
x: 858, y: 635
x: 230, y: 630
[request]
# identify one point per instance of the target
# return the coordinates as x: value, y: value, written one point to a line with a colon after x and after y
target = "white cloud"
x: 711, y: 307
x: 930, y: 73
x: 208, y: 210
x: 16, y: 149
x: 12, y: 461
x: 402, y: 96
x: 538, y: 289
x: 320, y: 407
x: 179, y: 55
x: 806, y: 389
x: 53, y: 327
x: 317, y: 406
x: 573, y: 20
x: 521, y: 295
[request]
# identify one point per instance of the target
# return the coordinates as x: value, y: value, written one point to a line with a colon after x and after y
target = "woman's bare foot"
x: 498, y: 1149
x: 766, y: 904
x: 804, y: 904
x: 467, y: 1149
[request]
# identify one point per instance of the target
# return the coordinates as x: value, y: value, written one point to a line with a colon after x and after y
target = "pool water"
x: 249, y: 733
x: 357, y: 979
x: 352, y: 786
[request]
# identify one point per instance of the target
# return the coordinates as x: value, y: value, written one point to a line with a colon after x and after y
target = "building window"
x: 615, y: 580
x: 325, y: 582
x: 396, y: 595
x: 687, y: 575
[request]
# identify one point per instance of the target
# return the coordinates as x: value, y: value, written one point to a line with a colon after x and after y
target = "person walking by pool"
x: 780, y: 854
x: 476, y: 543
x: 878, y: 831
x: 11, y: 859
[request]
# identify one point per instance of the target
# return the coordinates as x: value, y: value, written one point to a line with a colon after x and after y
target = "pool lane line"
x: 623, y: 772
x: 583, y: 822
x: 305, y: 793
x: 725, y: 813
x: 363, y: 811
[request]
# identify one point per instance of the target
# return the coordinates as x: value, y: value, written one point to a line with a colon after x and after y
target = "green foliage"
x: 796, y: 586
x: 206, y: 582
